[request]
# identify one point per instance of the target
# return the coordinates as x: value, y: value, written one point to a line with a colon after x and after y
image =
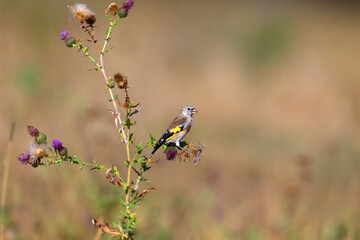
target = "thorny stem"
x: 90, y: 32
x: 72, y: 160
x: 88, y: 55
x: 128, y: 178
x: 102, y: 68
x: 117, y: 114
x: 127, y: 197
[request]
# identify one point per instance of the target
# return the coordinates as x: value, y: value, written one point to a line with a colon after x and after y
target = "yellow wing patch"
x: 174, y: 130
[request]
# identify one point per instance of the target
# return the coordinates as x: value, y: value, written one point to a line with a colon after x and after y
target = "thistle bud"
x: 69, y: 41
x: 63, y: 151
x: 122, y: 12
x: 35, y: 164
x: 33, y: 131
x: 41, y: 138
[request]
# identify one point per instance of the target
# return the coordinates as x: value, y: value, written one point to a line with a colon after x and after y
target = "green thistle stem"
x: 102, y: 68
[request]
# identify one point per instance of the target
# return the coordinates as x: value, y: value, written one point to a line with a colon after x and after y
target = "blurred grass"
x: 281, y: 160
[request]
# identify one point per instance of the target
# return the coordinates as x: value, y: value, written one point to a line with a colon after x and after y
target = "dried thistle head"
x: 183, y: 157
x: 112, y: 8
x: 191, y: 152
x: 121, y: 80
x: 196, y: 152
x: 83, y: 13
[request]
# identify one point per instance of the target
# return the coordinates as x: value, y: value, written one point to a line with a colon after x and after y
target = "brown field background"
x: 277, y: 86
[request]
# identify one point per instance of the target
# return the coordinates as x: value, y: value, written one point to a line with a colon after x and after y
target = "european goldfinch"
x: 177, y: 129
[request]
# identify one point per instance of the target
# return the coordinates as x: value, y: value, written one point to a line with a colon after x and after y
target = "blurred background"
x: 277, y: 87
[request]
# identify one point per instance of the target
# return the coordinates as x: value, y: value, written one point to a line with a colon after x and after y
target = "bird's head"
x: 189, y: 110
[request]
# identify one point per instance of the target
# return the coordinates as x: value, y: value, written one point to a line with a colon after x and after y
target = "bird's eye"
x: 189, y: 109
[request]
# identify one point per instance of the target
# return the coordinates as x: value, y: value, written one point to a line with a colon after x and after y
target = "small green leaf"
x: 152, y: 141
x: 141, y: 159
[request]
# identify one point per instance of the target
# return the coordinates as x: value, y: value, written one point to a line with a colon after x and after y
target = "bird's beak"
x: 194, y: 111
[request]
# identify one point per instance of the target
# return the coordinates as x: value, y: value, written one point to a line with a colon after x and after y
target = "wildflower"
x: 24, y: 158
x: 33, y: 131
x: 82, y: 13
x: 64, y: 34
x: 57, y: 144
x: 124, y: 10
x: 41, y: 138
x: 121, y: 80
x: 37, y: 152
x: 171, y: 153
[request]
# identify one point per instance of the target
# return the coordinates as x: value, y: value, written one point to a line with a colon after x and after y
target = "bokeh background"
x: 277, y: 86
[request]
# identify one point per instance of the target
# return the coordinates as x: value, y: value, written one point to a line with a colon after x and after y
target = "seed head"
x: 82, y: 13
x: 183, y: 156
x: 196, y: 153
x: 37, y: 152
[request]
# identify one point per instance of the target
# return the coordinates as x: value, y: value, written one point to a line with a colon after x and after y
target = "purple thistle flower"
x: 57, y: 144
x: 63, y: 34
x: 171, y: 154
x: 24, y: 158
x: 128, y: 4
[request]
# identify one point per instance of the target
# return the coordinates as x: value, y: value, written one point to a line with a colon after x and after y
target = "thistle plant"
x: 43, y: 154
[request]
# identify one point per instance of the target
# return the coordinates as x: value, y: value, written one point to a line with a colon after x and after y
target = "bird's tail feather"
x: 158, y: 145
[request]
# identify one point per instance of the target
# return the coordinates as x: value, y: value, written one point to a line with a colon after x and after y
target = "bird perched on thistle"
x: 177, y: 129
